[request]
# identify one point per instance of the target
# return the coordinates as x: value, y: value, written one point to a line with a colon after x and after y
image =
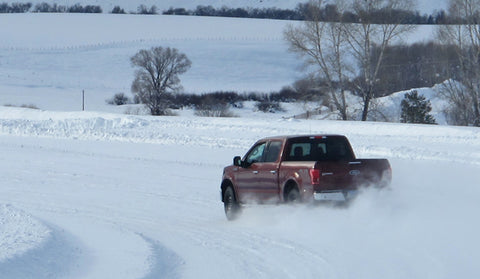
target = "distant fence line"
x: 121, y: 43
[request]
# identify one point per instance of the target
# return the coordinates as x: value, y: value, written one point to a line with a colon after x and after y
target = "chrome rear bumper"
x: 335, y: 195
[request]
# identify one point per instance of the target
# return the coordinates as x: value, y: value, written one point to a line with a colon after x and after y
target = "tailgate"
x: 349, y: 175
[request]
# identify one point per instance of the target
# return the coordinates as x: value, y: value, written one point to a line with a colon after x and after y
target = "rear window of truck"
x: 333, y: 148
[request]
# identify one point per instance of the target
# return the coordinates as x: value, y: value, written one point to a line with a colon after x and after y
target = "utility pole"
x: 83, y: 100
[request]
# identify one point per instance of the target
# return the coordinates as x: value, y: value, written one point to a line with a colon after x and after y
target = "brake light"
x: 314, y: 176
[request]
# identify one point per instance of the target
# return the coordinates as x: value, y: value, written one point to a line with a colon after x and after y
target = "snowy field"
x: 101, y: 194
x: 47, y: 60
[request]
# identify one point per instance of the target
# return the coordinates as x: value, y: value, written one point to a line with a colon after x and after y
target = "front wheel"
x: 232, y: 208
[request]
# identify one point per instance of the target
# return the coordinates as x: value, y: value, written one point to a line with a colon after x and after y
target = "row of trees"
x: 15, y: 7
x: 48, y: 8
x: 45, y: 7
x: 414, y: 66
x: 271, y: 13
x: 329, y: 12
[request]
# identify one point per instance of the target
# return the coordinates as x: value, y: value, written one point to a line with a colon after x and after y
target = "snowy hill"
x: 390, y: 106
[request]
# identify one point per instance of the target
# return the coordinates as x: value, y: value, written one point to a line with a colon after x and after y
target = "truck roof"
x: 287, y: 137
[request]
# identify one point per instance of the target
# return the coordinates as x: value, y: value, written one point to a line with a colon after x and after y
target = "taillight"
x: 314, y: 176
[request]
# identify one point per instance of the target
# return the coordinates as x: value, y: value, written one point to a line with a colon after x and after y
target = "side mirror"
x: 237, y: 161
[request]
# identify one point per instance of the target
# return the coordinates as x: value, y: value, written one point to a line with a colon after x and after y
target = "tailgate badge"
x: 354, y: 172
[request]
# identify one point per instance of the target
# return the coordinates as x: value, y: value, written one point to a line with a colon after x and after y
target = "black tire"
x: 230, y: 203
x: 292, y: 196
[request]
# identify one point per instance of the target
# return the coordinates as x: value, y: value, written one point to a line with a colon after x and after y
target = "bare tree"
x: 157, y: 75
x: 322, y: 45
x: 464, y: 98
x: 460, y: 109
x: 335, y: 48
x: 366, y: 35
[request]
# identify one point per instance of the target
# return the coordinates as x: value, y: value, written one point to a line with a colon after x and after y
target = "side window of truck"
x: 273, y: 151
x: 256, y: 154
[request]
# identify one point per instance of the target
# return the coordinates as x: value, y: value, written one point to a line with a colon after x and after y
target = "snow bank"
x: 242, y: 132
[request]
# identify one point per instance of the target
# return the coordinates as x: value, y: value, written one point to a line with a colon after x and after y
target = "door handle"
x: 273, y: 172
x: 327, y: 173
x: 255, y: 172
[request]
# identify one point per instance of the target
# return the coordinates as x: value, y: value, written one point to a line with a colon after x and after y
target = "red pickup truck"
x: 299, y: 169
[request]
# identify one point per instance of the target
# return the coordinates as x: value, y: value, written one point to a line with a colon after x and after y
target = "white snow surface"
x: 121, y: 196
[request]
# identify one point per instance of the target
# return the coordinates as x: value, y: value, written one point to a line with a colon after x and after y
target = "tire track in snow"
x: 60, y: 255
x: 252, y: 254
x: 164, y: 263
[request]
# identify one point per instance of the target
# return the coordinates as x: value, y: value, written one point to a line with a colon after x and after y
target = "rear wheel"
x: 293, y: 195
x: 230, y: 203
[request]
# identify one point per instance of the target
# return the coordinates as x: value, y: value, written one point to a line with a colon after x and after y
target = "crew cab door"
x: 257, y: 180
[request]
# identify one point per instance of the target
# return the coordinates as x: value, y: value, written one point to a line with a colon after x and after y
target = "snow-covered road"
x: 92, y: 195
